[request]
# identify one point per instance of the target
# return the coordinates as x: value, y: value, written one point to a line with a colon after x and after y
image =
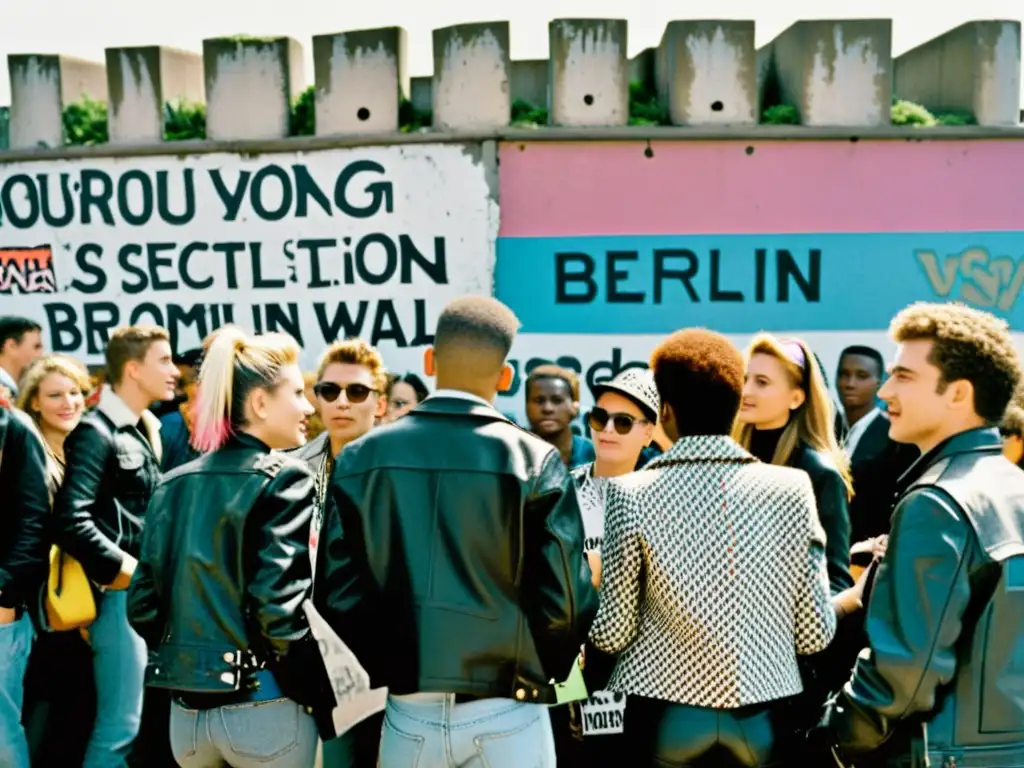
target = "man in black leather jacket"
x: 941, y: 679
x: 112, y: 468
x: 22, y: 567
x: 451, y: 560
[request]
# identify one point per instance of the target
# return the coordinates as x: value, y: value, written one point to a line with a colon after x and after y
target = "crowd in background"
x: 660, y: 651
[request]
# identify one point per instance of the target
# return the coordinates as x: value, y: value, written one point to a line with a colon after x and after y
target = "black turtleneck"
x: 763, y: 443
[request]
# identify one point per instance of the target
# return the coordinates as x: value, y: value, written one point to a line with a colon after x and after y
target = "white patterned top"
x: 590, y: 492
x: 714, y: 578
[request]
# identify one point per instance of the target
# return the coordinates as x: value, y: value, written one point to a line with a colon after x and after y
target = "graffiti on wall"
x: 730, y: 236
x: 323, y: 246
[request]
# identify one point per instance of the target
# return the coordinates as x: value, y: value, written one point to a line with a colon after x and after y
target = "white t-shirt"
x: 604, y: 711
x: 590, y: 492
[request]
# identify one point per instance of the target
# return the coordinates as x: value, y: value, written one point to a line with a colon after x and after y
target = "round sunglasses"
x: 622, y: 422
x: 329, y: 391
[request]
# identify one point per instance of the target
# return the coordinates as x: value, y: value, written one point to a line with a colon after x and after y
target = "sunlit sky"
x: 84, y: 28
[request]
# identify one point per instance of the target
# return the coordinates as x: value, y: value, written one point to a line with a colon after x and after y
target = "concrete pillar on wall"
x: 589, y: 72
x: 141, y: 80
x: 360, y: 77
x: 974, y: 68
x: 472, y: 73
x: 835, y: 72
x: 41, y: 87
x: 710, y: 73
x: 250, y: 86
x: 530, y: 82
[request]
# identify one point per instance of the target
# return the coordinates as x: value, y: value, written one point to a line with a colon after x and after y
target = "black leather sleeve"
x: 26, y: 504
x: 345, y: 595
x: 145, y: 603
x: 558, y: 596
x: 833, y: 511
x: 87, y: 453
x: 913, y: 623
x: 280, y: 577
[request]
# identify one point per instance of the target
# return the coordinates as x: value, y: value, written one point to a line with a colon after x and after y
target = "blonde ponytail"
x: 234, y: 364
x: 216, y: 385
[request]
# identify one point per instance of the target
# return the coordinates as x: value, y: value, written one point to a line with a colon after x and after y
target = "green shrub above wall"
x: 85, y: 121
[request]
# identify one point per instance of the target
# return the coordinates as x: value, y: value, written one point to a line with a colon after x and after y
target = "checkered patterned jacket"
x: 714, y: 577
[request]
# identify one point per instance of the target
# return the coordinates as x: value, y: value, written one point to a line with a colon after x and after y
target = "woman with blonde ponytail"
x: 230, y: 531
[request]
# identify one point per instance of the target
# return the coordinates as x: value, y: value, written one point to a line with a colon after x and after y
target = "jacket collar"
x: 702, y: 449
x: 458, y: 405
x: 980, y: 440
x: 114, y: 408
x: 314, y: 449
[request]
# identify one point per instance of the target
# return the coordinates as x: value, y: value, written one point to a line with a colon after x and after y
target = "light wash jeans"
x: 15, y: 644
x: 119, y: 664
x: 429, y: 730
x: 272, y: 734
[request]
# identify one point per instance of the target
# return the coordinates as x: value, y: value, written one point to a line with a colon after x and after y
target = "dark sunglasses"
x: 329, y: 391
x: 622, y: 422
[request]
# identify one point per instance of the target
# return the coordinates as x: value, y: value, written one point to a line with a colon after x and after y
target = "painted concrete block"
x: 974, y: 68
x: 141, y: 80
x: 836, y: 72
x: 710, y: 73
x: 360, y: 78
x: 41, y: 86
x: 530, y: 81
x: 472, y: 73
x: 250, y: 86
x: 589, y: 72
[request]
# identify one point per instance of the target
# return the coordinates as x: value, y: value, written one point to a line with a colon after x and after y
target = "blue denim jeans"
x: 429, y: 730
x: 15, y: 644
x: 119, y: 665
x: 271, y: 734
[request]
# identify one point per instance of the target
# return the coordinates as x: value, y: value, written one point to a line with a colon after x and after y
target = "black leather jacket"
x: 833, y: 511
x: 111, y: 472
x: 224, y: 572
x: 945, y: 618
x: 451, y: 558
x: 26, y: 505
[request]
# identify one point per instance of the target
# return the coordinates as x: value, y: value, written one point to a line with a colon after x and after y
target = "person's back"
x: 451, y: 561
x: 726, y: 543
x: 224, y: 570
x: 446, y: 499
x: 714, y: 577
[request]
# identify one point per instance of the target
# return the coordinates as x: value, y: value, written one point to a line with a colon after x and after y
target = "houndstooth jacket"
x: 714, y: 577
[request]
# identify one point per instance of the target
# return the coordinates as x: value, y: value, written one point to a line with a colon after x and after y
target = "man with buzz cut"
x: 451, y: 561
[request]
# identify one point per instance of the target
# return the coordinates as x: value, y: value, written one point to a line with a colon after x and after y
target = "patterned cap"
x: 638, y: 385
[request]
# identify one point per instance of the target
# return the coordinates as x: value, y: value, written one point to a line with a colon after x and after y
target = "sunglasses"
x: 622, y: 422
x: 329, y: 391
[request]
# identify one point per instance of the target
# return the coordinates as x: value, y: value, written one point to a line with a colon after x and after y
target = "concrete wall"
x: 837, y: 73
x: 600, y: 247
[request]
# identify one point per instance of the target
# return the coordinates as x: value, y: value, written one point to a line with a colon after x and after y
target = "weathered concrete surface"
x: 360, y: 78
x: 472, y: 73
x: 41, y: 87
x: 973, y: 68
x: 589, y: 72
x: 141, y: 80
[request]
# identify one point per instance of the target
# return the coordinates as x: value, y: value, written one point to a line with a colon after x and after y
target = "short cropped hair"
x: 572, y: 381
x: 699, y: 373
x: 967, y: 345
x: 14, y: 328
x: 356, y: 352
x: 860, y: 350
x: 477, y: 321
x: 130, y: 343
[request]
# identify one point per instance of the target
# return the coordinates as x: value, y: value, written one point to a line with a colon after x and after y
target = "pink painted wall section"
x: 551, y: 189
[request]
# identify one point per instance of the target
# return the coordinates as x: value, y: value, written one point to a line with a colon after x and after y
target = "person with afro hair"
x: 714, y: 574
